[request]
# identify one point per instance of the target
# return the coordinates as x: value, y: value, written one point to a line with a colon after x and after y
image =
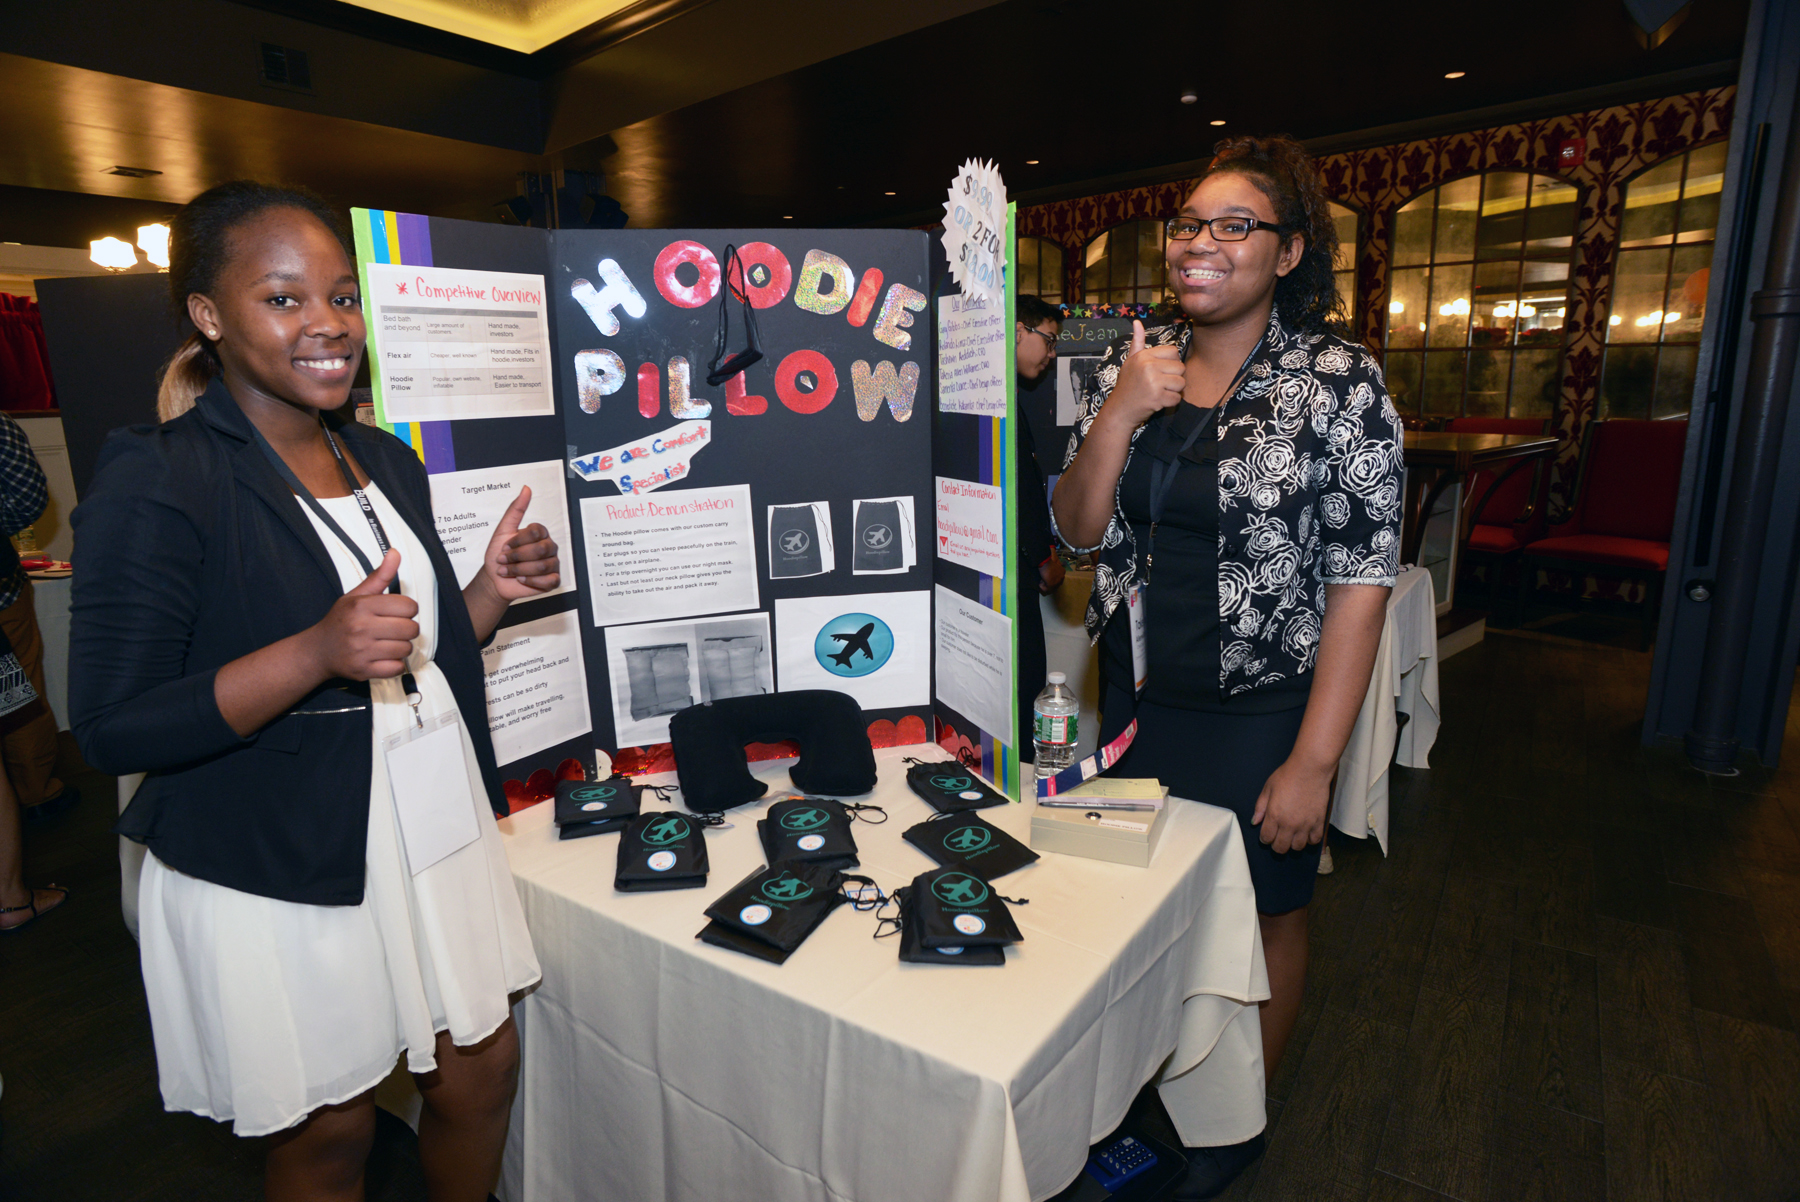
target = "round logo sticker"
x: 951, y: 951
x: 960, y: 889
x: 810, y: 842
x: 661, y: 861
x: 594, y: 805
x: 666, y: 829
x: 806, y: 818
x: 756, y: 915
x: 877, y: 536
x: 970, y: 795
x: 951, y: 784
x: 794, y: 542
x: 853, y: 645
x: 968, y: 924
x: 786, y: 888
x: 966, y: 839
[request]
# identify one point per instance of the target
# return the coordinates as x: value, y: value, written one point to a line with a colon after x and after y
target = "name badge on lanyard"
x: 430, y: 781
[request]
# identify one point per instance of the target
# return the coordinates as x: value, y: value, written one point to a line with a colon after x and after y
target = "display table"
x: 658, y: 1067
x: 1405, y: 680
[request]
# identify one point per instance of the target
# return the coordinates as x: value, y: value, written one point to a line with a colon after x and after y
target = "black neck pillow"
x: 708, y: 741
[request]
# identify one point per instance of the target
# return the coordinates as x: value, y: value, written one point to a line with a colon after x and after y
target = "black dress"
x: 1203, y: 745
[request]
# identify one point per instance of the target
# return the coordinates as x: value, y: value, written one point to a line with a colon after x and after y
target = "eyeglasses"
x: 1223, y: 229
x: 1050, y: 339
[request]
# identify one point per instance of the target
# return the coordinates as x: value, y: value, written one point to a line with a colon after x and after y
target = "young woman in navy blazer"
x: 227, y: 641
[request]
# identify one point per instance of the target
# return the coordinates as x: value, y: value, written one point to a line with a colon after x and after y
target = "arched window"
x: 1040, y: 266
x: 1125, y: 265
x: 1477, y: 296
x: 1349, y: 225
x: 1659, y: 285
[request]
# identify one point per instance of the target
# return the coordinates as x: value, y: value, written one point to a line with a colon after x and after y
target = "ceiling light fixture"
x: 888, y: 193
x: 1216, y: 122
x: 1454, y: 74
x: 1190, y: 97
x: 1031, y: 162
x: 112, y: 254
x: 153, y: 240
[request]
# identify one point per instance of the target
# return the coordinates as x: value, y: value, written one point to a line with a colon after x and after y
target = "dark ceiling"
x: 1094, y: 92
x: 1091, y: 92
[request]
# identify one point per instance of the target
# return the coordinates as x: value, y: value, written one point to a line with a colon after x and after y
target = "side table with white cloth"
x: 1405, y: 680
x: 655, y: 1066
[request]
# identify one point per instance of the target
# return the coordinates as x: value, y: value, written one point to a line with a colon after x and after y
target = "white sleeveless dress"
x: 264, y: 1010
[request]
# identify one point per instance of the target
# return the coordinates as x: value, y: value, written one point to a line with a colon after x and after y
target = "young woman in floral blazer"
x: 1238, y: 474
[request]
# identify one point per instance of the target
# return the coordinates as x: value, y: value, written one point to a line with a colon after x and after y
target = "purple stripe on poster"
x: 415, y: 239
x: 440, y: 452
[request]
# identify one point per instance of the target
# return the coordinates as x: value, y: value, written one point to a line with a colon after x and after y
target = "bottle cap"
x: 1058, y: 678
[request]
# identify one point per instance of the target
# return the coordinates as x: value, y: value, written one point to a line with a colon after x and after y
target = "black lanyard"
x: 408, y: 682
x: 311, y: 502
x: 1164, y: 471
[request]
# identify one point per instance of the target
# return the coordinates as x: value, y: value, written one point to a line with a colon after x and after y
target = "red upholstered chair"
x: 1624, y: 510
x: 1512, y: 514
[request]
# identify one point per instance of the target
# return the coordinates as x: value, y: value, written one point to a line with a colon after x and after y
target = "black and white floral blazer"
x: 1309, y: 495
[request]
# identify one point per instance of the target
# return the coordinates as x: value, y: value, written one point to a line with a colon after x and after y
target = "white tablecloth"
x: 658, y: 1067
x: 1405, y: 680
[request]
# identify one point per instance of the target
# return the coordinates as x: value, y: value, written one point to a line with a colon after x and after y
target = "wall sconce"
x: 153, y: 240
x: 113, y: 254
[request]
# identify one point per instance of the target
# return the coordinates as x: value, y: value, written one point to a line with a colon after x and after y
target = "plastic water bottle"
x: 1055, y: 719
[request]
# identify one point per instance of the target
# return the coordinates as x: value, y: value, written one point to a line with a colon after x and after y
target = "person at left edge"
x: 227, y: 640
x: 1038, y: 326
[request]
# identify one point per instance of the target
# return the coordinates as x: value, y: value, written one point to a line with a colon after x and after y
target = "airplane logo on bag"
x: 794, y: 542
x: 969, y: 838
x: 951, y: 784
x: 787, y: 888
x: 592, y: 793
x: 805, y: 820
x: 877, y: 537
x: 959, y: 889
x: 853, y: 645
x: 666, y: 830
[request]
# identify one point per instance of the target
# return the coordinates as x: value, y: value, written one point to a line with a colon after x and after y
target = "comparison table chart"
x: 658, y: 1067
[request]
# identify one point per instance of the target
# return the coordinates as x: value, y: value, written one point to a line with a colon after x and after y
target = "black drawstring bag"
x: 812, y: 830
x: 954, y: 908
x: 771, y: 912
x: 949, y: 788
x: 661, y: 850
x: 966, y: 841
x: 718, y: 372
x: 912, y: 953
x: 595, y: 807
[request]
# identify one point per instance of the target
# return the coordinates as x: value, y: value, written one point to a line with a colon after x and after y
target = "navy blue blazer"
x: 190, y: 552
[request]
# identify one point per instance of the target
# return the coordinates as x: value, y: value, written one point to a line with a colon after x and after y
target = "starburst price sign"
x: 975, y: 230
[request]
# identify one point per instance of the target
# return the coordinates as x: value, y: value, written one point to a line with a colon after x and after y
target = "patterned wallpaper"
x: 1616, y: 143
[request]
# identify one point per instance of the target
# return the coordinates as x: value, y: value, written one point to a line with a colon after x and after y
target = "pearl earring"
x: 212, y: 333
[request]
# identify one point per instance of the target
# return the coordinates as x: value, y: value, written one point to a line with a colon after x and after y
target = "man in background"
x: 1040, y: 570
x: 29, y: 753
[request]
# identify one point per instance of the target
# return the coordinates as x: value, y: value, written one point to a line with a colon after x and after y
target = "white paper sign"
x: 974, y: 664
x: 670, y: 555
x: 971, y: 525
x: 467, y: 505
x: 452, y: 344
x: 975, y: 230
x: 874, y: 646
x: 972, y: 357
x: 649, y: 463
x: 536, y: 686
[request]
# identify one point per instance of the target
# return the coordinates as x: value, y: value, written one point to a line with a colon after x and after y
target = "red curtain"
x: 24, y: 357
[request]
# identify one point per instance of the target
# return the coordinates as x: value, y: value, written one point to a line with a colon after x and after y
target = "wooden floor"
x: 1576, y: 976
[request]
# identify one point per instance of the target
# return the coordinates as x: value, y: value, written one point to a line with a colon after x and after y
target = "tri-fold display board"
x: 817, y: 520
